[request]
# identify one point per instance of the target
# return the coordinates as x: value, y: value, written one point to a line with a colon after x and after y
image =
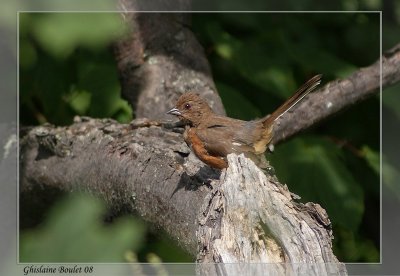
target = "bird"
x: 212, y: 137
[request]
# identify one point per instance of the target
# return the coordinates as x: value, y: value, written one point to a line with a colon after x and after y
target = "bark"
x: 251, y: 217
x: 134, y: 169
x: 159, y: 60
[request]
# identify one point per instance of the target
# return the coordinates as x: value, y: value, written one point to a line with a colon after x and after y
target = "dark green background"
x: 258, y: 60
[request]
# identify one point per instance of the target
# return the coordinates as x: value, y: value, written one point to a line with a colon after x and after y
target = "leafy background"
x: 258, y: 60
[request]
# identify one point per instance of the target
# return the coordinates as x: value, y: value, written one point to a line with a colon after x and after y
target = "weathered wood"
x: 250, y: 217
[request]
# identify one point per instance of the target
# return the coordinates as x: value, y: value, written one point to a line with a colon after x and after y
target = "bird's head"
x: 191, y: 108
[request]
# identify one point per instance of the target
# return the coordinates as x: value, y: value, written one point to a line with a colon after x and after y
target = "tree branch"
x: 141, y: 168
x: 340, y: 94
x: 135, y: 170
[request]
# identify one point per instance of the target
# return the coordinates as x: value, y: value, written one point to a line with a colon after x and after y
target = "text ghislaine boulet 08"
x: 33, y: 269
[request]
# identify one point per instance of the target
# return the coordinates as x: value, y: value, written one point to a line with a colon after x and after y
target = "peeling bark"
x: 250, y: 217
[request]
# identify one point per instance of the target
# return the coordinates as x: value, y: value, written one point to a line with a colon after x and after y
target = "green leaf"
x: 226, y: 45
x: 74, y: 232
x: 256, y: 63
x: 372, y: 158
x: 61, y: 33
x: 79, y: 101
x: 101, y: 80
x: 315, y: 170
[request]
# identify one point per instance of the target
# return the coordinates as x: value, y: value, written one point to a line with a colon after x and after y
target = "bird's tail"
x: 303, y: 91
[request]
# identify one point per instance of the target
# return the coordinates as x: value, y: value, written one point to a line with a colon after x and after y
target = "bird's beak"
x: 174, y: 111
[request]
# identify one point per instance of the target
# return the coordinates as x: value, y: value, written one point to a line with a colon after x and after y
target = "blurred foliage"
x: 391, y: 99
x: 74, y: 232
x: 314, y: 162
x: 160, y: 246
x: 67, y: 68
x: 258, y: 60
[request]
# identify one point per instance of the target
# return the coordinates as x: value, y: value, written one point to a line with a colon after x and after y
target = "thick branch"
x: 339, y: 94
x: 246, y: 216
x: 135, y: 170
x: 159, y: 60
x: 141, y: 168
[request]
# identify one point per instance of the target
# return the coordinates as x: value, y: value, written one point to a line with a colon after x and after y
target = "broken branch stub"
x: 250, y: 217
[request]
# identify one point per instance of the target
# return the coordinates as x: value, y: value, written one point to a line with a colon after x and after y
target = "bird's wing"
x: 221, y: 139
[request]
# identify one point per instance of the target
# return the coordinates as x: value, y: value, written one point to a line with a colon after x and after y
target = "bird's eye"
x: 187, y: 106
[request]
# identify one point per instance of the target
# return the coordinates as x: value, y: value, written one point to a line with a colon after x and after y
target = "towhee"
x: 212, y: 137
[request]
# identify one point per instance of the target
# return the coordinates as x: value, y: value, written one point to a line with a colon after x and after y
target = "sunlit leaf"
x: 225, y: 50
x: 79, y: 101
x: 61, y: 33
x: 106, y: 99
x: 225, y: 44
x: 372, y: 158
